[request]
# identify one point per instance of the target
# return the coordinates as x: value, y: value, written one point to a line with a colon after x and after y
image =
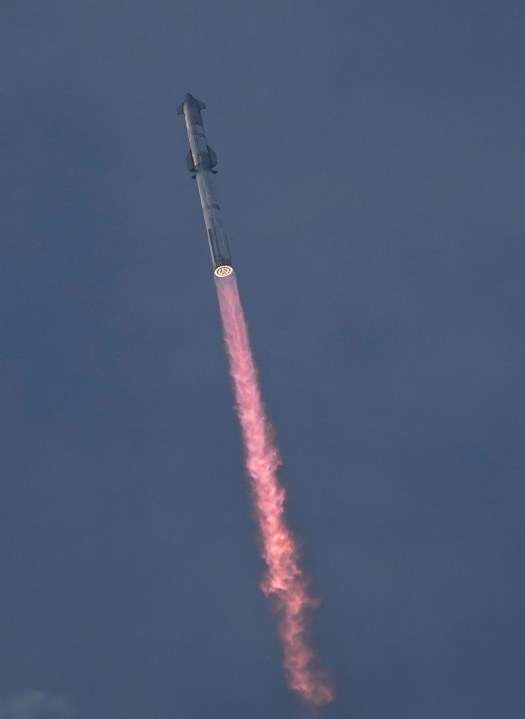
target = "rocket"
x: 201, y: 161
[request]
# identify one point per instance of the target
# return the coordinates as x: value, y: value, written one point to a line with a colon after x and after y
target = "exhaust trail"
x: 284, y: 582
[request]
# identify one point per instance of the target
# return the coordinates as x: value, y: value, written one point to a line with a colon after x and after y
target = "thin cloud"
x: 34, y: 704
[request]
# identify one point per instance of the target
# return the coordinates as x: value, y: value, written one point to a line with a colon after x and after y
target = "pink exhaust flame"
x: 284, y: 580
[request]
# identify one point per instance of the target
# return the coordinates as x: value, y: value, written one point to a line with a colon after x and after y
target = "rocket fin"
x: 213, y: 156
x: 189, y: 162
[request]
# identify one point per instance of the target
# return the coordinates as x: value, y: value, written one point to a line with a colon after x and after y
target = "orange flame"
x: 284, y: 580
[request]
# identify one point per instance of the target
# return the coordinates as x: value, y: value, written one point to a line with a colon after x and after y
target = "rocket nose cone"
x: 190, y: 102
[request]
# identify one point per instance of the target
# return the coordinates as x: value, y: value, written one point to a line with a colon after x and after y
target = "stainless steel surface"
x: 201, y: 160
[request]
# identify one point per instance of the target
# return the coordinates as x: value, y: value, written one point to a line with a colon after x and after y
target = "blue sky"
x: 371, y: 178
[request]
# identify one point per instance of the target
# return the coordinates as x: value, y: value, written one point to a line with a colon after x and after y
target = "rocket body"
x: 201, y: 160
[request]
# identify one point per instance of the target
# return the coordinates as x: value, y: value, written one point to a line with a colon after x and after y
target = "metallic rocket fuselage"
x: 201, y: 160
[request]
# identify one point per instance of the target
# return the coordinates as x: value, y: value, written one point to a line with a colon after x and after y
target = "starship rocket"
x: 201, y: 160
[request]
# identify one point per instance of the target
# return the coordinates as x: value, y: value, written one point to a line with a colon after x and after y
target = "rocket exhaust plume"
x: 284, y: 582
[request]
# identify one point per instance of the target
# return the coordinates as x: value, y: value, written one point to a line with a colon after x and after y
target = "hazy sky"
x: 371, y: 175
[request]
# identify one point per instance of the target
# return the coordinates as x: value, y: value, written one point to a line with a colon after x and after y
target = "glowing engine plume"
x: 284, y: 580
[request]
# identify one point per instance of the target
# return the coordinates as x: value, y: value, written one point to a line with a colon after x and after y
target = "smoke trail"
x: 284, y: 580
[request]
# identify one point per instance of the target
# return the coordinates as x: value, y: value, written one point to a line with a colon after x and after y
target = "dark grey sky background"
x: 371, y: 173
